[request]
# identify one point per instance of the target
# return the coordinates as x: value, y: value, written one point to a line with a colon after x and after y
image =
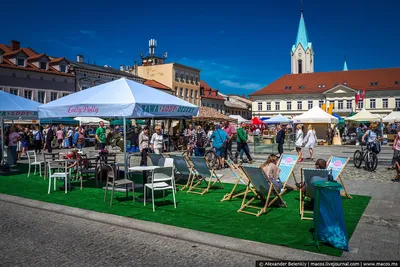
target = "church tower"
x: 302, y: 53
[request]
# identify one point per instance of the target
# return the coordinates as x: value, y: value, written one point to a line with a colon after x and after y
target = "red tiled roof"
x: 32, y: 55
x: 209, y: 93
x: 157, y: 85
x: 57, y: 60
x: 204, y: 84
x: 319, y: 82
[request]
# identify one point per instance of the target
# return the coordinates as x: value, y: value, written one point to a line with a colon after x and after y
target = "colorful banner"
x: 18, y: 114
x: 167, y: 109
x: 83, y: 110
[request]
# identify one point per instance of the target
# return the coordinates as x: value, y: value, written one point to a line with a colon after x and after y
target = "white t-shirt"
x: 299, y: 138
x: 258, y: 131
x: 371, y: 135
x: 157, y: 140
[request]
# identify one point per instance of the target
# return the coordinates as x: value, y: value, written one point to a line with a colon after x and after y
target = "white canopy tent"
x: 364, y: 115
x: 315, y: 115
x: 91, y: 121
x: 15, y: 108
x: 393, y: 117
x: 121, y: 98
x: 239, y: 118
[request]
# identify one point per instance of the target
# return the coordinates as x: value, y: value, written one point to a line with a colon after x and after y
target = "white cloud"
x: 247, y: 86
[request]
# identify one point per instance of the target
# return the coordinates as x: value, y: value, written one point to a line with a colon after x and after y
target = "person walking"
x: 280, y: 138
x: 220, y: 139
x: 230, y: 131
x: 299, y: 141
x: 70, y: 135
x: 37, y: 139
x: 49, y: 138
x: 13, y: 139
x: 200, y: 141
x: 101, y: 136
x: 144, y: 145
x: 157, y: 141
x: 60, y: 137
x: 242, y: 143
x: 189, y: 134
x: 396, y: 150
x: 310, y: 140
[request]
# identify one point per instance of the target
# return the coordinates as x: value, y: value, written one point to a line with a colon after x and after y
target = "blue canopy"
x: 336, y: 115
x: 277, y: 119
x: 67, y: 121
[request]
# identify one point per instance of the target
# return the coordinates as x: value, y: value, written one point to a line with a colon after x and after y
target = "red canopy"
x: 257, y: 121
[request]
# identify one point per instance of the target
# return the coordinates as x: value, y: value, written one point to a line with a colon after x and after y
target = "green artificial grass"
x: 280, y: 226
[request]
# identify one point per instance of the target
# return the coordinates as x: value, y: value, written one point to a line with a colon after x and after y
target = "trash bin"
x: 329, y: 225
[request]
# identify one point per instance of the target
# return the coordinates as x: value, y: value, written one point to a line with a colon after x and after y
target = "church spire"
x: 302, y: 36
x: 345, y: 65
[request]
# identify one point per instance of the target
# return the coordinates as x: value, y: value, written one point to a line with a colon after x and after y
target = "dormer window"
x: 63, y: 68
x: 21, y: 62
x: 43, y: 65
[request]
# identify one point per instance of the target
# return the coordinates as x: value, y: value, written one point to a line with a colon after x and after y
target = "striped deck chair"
x: 241, y: 179
x: 337, y: 165
x: 307, y: 176
x: 286, y: 164
x: 202, y: 172
x: 261, y: 187
x: 184, y: 168
x: 155, y: 158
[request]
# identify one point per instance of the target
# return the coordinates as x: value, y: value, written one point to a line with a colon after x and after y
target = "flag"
x: 357, y: 97
x: 363, y: 95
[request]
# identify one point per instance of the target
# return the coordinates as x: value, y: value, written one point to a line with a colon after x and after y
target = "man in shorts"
x: 219, y: 138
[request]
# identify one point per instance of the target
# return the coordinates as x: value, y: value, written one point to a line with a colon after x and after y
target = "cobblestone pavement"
x: 32, y: 237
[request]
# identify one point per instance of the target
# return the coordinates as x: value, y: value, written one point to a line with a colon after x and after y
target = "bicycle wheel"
x: 357, y: 158
x: 372, y: 161
x: 213, y: 159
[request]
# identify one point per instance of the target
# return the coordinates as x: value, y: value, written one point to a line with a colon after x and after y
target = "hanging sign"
x: 167, y: 109
x: 18, y: 114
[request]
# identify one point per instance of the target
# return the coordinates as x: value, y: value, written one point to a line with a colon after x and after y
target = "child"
x: 272, y: 172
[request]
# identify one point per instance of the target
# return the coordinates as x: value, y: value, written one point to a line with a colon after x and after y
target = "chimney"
x: 15, y: 45
x: 121, y: 68
x: 136, y: 68
x: 79, y: 58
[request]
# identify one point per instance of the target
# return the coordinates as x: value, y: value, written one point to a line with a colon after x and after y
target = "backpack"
x: 376, y: 146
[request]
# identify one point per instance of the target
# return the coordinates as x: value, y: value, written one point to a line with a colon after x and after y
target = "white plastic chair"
x: 33, y: 162
x: 58, y: 170
x: 159, y: 181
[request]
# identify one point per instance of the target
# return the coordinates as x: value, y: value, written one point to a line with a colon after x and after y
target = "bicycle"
x: 366, y: 155
x: 210, y: 155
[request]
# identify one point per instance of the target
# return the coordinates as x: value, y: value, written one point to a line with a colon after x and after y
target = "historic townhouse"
x: 211, y: 98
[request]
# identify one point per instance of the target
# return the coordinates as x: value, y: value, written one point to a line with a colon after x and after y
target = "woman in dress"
x: 299, y: 141
x: 60, y: 137
x: 310, y: 140
x: 157, y: 141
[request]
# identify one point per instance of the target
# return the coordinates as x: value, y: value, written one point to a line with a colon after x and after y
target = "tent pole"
x: 3, y: 135
x: 125, y: 167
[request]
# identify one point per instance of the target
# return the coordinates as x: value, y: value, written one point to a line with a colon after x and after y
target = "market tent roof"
x: 341, y: 119
x: 67, y: 121
x: 393, y: 117
x: 315, y: 115
x: 257, y: 121
x: 91, y: 120
x: 210, y: 114
x: 277, y: 119
x: 16, y: 107
x: 239, y: 118
x: 121, y: 98
x: 364, y: 115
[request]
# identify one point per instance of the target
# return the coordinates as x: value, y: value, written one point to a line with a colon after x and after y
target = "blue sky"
x: 240, y: 46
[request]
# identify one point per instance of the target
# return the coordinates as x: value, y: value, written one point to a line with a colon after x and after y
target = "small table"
x: 144, y: 169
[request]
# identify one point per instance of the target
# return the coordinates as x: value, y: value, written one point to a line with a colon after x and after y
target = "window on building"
x: 212, y: 105
x: 182, y: 76
x: 196, y: 94
x: 299, y: 105
x: 187, y: 78
x: 43, y: 65
x: 2, y: 89
x: 21, y: 61
x: 191, y: 93
x: 14, y: 91
x: 385, y: 103
x: 268, y: 105
x: 186, y: 92
x: 191, y: 78
x: 300, y: 66
x: 65, y: 94
x: 288, y: 105
x: 340, y: 104
x: 320, y: 103
x: 176, y: 75
x: 360, y: 104
x: 28, y: 94
x: 176, y: 91
x: 372, y: 103
x: 310, y: 104
x: 397, y: 102
x: 349, y: 104
x: 181, y: 92
x: 197, y: 80
x: 53, y: 96
x: 63, y: 68
x: 41, y: 95
x: 277, y: 106
x: 259, y: 106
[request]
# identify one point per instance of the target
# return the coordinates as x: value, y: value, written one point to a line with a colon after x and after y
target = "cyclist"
x: 372, y: 135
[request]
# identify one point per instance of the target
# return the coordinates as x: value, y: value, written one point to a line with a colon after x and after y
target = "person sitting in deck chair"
x: 271, y: 170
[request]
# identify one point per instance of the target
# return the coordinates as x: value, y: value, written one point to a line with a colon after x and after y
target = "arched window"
x: 300, y: 66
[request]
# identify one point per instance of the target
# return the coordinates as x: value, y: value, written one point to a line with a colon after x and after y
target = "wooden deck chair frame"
x: 346, y: 194
x: 291, y: 173
x: 194, y: 187
x: 304, y: 212
x: 241, y: 178
x: 251, y: 188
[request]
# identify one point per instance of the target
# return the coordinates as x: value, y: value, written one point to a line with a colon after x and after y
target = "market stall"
x: 207, y: 114
x: 91, y: 121
x: 277, y: 120
x: 393, y: 117
x: 364, y: 116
